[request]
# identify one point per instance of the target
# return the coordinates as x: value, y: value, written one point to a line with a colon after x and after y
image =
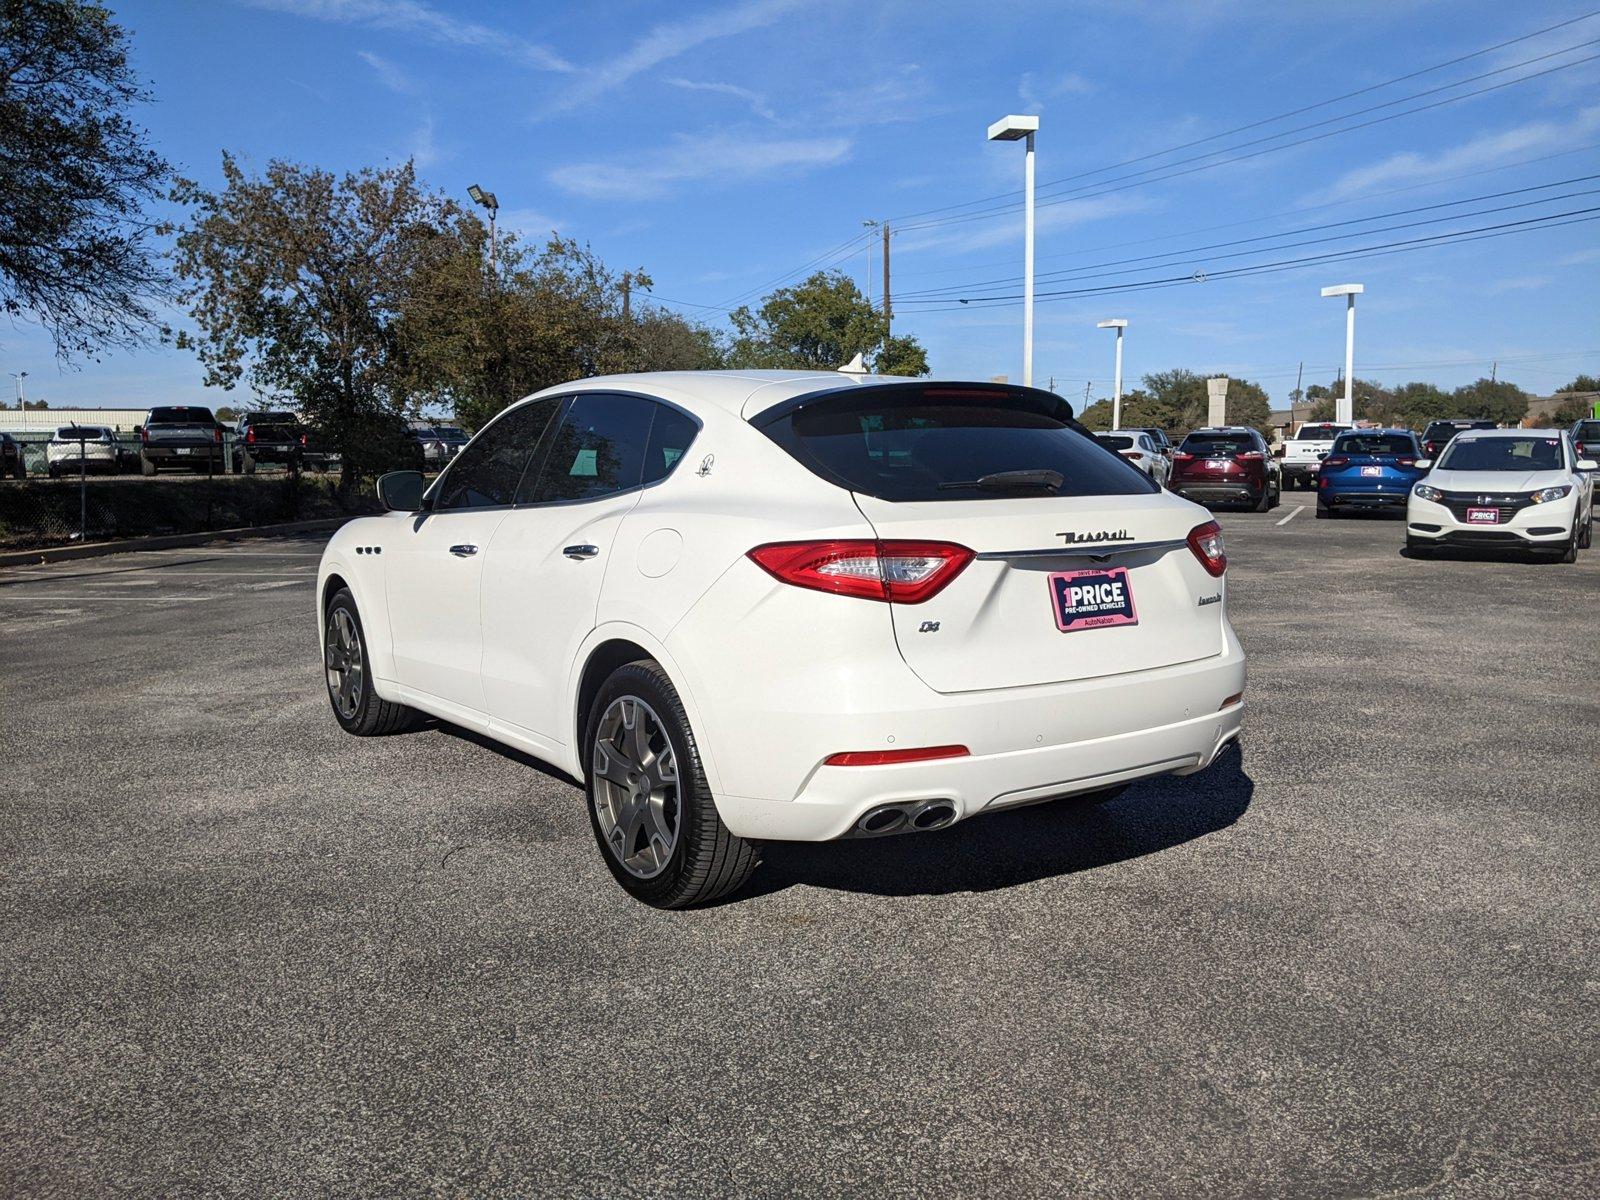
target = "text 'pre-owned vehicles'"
x: 1140, y: 449
x: 1230, y: 464
x: 1369, y: 469
x: 789, y: 605
x: 1304, y: 452
x: 81, y: 449
x: 185, y: 437
x: 1504, y: 488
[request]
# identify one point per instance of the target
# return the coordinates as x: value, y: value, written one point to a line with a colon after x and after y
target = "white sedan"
x: 1139, y: 448
x: 1498, y: 488
x: 789, y: 605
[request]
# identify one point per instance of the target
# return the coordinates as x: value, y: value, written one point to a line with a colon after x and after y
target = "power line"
x: 1123, y: 183
x: 837, y: 252
x: 1264, y: 121
x: 948, y: 291
x: 1549, y: 221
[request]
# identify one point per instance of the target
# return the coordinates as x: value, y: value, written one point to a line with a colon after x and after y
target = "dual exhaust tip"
x: 913, y: 816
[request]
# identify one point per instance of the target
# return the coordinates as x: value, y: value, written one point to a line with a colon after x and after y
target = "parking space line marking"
x: 1293, y: 515
x: 110, y: 596
x: 116, y: 576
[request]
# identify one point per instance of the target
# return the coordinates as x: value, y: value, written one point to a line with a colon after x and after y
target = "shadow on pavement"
x: 1008, y: 848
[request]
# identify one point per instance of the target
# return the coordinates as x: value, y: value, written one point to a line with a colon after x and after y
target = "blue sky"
x: 722, y: 146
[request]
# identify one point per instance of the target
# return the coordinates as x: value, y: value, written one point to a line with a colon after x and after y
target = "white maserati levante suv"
x: 789, y: 605
x: 1506, y: 488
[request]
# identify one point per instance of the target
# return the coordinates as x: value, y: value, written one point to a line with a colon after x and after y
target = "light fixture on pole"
x: 19, y: 376
x: 1119, y: 324
x: 487, y: 199
x: 1013, y: 129
x: 1345, y: 410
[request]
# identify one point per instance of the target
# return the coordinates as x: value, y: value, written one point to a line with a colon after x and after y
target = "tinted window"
x: 928, y: 443
x: 1374, y: 443
x: 1318, y: 433
x: 181, y: 416
x: 1114, y: 443
x: 598, y: 448
x: 670, y: 435
x: 1587, y: 431
x: 1215, y: 444
x: 488, y: 471
x: 1503, y: 454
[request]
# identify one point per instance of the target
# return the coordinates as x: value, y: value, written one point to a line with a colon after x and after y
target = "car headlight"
x: 1548, y: 494
x: 1423, y: 492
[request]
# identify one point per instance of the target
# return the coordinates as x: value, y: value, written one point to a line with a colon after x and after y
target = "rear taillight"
x: 901, y: 572
x: 1405, y: 462
x: 879, y: 758
x: 250, y: 435
x: 1181, y: 456
x: 144, y: 436
x: 216, y: 434
x: 303, y: 441
x: 1336, y: 460
x: 1206, y: 542
x: 1129, y: 453
x: 1250, y: 456
x: 1432, y: 448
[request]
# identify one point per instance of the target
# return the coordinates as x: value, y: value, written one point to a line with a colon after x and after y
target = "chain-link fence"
x: 94, y: 492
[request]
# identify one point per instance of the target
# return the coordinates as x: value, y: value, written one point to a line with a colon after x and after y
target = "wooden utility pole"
x: 888, y: 309
x: 627, y: 297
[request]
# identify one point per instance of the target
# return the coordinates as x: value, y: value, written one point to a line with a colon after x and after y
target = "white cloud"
x: 1007, y: 230
x: 726, y: 158
x: 1487, y: 150
x: 530, y: 224
x: 756, y: 101
x: 1032, y: 89
x: 419, y: 20
x: 424, y: 148
x: 668, y: 41
x: 1579, y: 259
x: 1518, y: 283
x: 390, y: 75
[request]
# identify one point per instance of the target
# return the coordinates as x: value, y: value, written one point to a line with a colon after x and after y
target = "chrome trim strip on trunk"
x: 1098, y: 552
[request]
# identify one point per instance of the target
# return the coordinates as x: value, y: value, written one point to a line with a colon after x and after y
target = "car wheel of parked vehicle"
x: 247, y: 464
x: 1264, y: 503
x: 1325, y: 513
x: 649, y: 805
x: 358, y: 709
x: 1570, y: 553
x: 1586, y: 537
x: 146, y: 467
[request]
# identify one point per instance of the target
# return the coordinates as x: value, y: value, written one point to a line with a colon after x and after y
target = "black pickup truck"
x: 185, y: 437
x: 267, y: 437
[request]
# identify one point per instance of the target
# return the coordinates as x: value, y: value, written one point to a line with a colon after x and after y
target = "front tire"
x: 649, y: 806
x: 356, y: 706
x: 1417, y: 548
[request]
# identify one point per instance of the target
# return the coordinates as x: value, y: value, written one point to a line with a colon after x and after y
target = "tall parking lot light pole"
x: 1345, y: 411
x: 1119, y: 324
x: 487, y: 199
x: 19, y: 376
x: 1012, y: 129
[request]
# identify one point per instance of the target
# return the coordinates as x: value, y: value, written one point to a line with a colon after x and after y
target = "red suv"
x: 1230, y: 463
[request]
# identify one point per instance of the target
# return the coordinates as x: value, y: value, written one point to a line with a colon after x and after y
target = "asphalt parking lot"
x: 245, y: 954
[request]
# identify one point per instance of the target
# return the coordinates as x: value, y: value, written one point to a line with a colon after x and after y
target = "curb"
x: 24, y: 558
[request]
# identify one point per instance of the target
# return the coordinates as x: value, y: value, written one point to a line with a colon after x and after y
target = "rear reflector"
x: 1232, y: 700
x: 898, y: 571
x: 1206, y: 542
x: 879, y: 758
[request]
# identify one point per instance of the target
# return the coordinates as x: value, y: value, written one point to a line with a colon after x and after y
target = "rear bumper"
x: 174, y: 455
x: 1027, y: 745
x: 1364, y: 499
x: 1300, y: 470
x: 1205, y: 493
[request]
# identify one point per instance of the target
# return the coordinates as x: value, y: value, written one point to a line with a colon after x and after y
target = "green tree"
x: 299, y: 277
x: 819, y: 325
x: 1491, y: 400
x: 1370, y: 401
x: 1583, y: 383
x: 1415, y: 404
x: 75, y: 173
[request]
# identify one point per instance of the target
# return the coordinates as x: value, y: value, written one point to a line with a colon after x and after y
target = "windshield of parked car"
x: 181, y: 416
x: 1503, y: 454
x: 1374, y: 443
x: 951, y: 443
x: 1111, y: 442
x: 1317, y: 433
x: 1217, y: 445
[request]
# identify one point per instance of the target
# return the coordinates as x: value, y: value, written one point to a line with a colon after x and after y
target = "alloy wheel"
x: 636, y: 797
x: 345, y: 663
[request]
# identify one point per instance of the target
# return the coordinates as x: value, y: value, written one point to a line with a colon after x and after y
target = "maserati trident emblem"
x: 1073, y: 538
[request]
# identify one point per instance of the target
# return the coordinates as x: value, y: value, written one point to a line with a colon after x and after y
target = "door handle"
x: 584, y: 551
x: 463, y: 551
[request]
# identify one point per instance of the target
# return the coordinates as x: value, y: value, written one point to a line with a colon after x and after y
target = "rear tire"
x: 1324, y: 513
x: 146, y: 467
x: 347, y: 669
x: 653, y: 817
x: 1586, y: 538
x: 1264, y: 504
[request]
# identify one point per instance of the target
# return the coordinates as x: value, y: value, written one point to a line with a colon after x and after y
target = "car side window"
x: 599, y: 448
x: 671, y: 434
x: 486, y: 473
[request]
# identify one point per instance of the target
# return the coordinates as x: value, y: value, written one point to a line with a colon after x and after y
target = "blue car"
x: 1369, y: 468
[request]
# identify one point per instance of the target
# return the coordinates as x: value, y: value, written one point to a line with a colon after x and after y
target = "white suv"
x: 789, y: 605
x: 1499, y: 488
x: 89, y: 449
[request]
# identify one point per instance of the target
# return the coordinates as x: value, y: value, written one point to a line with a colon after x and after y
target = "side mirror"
x: 1424, y: 464
x: 1588, y: 464
x: 401, y: 491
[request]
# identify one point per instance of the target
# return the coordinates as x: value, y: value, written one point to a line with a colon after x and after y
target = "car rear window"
x: 923, y: 443
x: 1318, y: 433
x: 181, y: 416
x: 1114, y: 443
x: 1587, y: 431
x: 1374, y: 443
x: 1204, y: 444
